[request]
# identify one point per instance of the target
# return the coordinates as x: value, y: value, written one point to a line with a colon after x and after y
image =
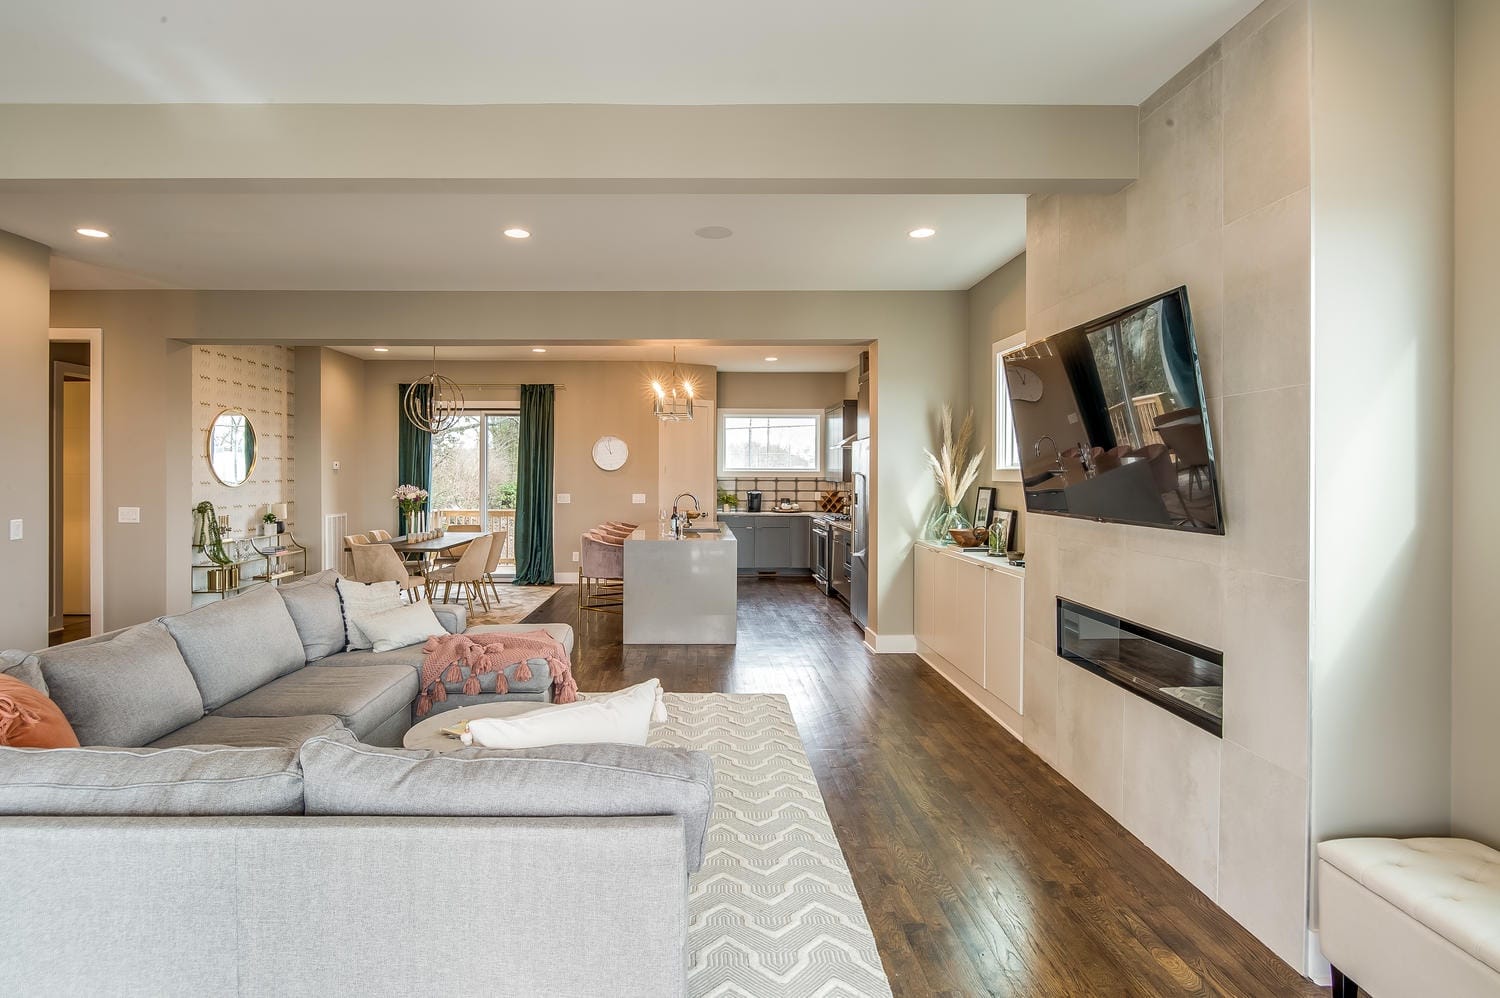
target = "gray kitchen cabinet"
x: 744, y: 536
x: 773, y: 542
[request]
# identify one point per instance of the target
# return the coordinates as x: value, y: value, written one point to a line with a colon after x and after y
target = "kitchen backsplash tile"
x: 806, y: 492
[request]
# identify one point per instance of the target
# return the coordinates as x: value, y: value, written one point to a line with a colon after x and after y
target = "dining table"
x: 428, y: 549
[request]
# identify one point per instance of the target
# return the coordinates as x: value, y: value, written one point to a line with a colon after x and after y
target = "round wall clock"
x: 610, y: 453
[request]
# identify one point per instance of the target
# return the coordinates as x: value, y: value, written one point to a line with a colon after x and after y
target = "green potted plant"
x: 269, y: 528
x: 727, y: 501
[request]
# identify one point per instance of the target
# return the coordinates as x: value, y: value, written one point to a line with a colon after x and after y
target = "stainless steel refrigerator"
x: 859, y: 560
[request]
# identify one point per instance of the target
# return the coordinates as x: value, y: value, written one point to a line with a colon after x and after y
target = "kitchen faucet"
x: 697, y: 507
x: 1037, y: 451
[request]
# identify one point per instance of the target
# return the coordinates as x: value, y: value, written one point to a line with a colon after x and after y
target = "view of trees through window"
x: 770, y: 441
x: 458, y: 466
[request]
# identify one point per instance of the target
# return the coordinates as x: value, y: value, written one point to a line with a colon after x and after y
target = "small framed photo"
x: 984, y: 505
x: 1003, y: 521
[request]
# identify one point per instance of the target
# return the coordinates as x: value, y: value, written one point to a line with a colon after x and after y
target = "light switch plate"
x: 563, y: 498
x: 575, y: 555
x: 16, y: 527
x: 335, y: 466
x: 130, y: 514
x: 638, y: 498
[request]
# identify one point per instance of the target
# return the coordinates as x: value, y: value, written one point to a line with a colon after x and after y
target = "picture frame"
x: 984, y: 505
x: 1004, y: 521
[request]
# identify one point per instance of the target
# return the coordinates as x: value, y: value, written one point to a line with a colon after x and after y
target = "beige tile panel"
x: 1199, y: 266
x: 1268, y: 297
x: 1255, y: 20
x: 1263, y: 851
x: 1039, y: 697
x: 1091, y: 237
x: 1265, y: 481
x: 1265, y: 667
x: 1172, y: 790
x: 1267, y: 113
x: 1175, y: 595
x: 1090, y: 717
x: 1041, y: 581
x: 1178, y: 198
x: 1042, y: 260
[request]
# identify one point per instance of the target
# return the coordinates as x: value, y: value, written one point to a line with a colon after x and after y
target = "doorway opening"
x: 474, y: 465
x: 75, y: 600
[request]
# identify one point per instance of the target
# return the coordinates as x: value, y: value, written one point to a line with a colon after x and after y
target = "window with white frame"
x: 1007, y: 452
x: 786, y: 441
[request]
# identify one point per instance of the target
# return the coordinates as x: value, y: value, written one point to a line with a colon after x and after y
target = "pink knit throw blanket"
x: 447, y: 654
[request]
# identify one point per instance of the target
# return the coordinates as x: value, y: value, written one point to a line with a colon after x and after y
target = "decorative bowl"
x: 964, y: 538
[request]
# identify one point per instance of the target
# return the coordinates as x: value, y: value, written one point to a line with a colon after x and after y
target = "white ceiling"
x: 822, y: 357
x: 602, y: 51
x: 600, y: 242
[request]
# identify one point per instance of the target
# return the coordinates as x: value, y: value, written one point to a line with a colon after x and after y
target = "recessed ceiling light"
x: 773, y: 359
x: 381, y: 349
x: 713, y: 232
x: 538, y: 349
x: 516, y: 233
x: 93, y: 233
x: 923, y: 233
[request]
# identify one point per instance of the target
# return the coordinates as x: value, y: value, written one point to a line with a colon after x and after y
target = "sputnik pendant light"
x: 674, y: 401
x: 438, y: 408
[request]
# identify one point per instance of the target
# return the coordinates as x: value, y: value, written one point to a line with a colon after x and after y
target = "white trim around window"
x: 814, y: 417
x: 1006, y: 450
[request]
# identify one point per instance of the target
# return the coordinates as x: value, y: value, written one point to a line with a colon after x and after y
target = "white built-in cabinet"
x: 968, y: 614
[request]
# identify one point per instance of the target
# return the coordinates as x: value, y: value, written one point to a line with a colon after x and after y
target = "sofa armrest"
x: 454, y: 618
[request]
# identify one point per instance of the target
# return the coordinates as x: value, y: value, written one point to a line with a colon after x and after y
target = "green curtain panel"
x: 413, y: 450
x: 534, y: 488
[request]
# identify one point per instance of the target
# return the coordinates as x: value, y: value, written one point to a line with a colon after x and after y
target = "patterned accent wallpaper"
x: 258, y: 381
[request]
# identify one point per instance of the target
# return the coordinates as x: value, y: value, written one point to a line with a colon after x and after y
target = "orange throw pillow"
x: 28, y: 719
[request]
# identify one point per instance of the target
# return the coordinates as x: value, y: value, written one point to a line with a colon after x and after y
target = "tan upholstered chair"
x: 379, y: 535
x: 466, y: 573
x: 601, y: 571
x: 355, y: 539
x: 492, y: 562
x: 380, y: 563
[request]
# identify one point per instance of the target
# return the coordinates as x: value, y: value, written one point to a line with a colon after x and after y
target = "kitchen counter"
x: 978, y: 557
x: 681, y: 590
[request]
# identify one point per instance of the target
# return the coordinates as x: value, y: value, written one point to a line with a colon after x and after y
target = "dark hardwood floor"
x: 983, y: 872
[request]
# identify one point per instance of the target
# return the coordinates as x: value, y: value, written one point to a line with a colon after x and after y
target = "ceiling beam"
x: 576, y: 148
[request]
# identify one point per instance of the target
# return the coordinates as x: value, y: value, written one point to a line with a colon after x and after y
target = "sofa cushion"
x: 29, y: 719
x: 24, y: 666
x: 124, y: 688
x: 401, y: 626
x: 248, y: 732
x: 343, y: 777
x: 176, y: 781
x: 313, y: 603
x: 360, y: 698
x: 562, y: 632
x: 453, y: 616
x: 364, y: 599
x: 233, y: 646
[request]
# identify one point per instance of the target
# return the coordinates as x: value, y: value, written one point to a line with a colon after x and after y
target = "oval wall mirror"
x: 231, y: 447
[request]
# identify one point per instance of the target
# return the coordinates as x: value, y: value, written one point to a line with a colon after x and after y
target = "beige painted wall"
x: 921, y: 334
x: 1222, y: 205
x: 997, y: 311
x: 795, y: 390
x: 24, y: 449
x: 1476, y: 531
x: 75, y: 497
x: 1382, y: 536
x: 330, y: 427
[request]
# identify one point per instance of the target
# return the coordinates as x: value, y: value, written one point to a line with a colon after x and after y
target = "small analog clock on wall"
x: 610, y: 453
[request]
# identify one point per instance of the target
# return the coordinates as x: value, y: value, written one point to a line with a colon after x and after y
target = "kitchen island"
x: 681, y: 591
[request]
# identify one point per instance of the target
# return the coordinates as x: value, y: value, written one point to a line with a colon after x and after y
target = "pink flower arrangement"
x: 410, y: 497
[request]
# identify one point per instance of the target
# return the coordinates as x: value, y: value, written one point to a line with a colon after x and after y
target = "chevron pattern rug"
x: 773, y: 912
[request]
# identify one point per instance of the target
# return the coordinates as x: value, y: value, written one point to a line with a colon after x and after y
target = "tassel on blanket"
x: 471, y: 686
x: 439, y: 693
x: 455, y: 674
x: 523, y: 672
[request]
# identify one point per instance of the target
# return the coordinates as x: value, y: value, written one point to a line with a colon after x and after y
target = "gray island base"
x: 681, y: 591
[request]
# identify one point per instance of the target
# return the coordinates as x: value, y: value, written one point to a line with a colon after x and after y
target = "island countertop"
x: 681, y: 590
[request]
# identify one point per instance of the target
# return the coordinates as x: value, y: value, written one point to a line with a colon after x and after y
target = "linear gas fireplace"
x: 1175, y: 674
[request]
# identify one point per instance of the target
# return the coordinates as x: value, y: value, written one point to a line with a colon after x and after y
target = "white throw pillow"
x: 624, y: 717
x: 406, y: 625
x: 362, y: 600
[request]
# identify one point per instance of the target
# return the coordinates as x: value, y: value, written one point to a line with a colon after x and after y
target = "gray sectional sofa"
x: 237, y: 824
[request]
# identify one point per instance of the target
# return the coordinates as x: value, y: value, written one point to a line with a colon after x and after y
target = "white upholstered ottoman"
x: 1409, y: 918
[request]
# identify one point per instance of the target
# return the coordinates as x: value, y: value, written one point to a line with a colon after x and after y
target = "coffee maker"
x: 752, y: 501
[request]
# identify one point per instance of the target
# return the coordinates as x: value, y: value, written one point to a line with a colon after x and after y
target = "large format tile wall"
x: 1222, y: 206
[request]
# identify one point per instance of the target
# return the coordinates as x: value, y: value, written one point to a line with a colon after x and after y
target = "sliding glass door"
x: 477, y: 458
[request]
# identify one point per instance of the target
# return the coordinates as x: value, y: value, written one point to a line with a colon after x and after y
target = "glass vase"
x: 944, y: 519
x: 411, y: 522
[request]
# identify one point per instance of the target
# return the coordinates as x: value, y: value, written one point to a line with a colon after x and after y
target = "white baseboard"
x: 890, y: 644
x: 565, y: 578
x: 1317, y: 967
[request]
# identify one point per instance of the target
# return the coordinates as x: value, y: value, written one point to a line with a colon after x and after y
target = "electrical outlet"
x: 575, y: 555
x: 130, y: 514
x: 563, y: 498
x: 638, y: 498
x: 335, y: 466
x: 17, y: 525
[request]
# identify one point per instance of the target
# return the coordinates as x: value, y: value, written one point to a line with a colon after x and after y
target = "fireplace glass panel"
x: 1177, y: 675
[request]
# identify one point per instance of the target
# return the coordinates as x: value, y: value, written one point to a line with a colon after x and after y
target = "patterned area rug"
x: 514, y: 604
x: 773, y: 911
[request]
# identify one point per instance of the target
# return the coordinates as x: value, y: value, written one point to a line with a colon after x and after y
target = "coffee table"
x: 428, y: 732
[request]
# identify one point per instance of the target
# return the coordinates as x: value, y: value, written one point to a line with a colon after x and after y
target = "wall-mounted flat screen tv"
x: 1111, y: 423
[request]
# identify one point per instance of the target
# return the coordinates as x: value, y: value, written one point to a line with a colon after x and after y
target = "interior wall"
x: 598, y: 399
x: 330, y: 428
x: 921, y: 334
x: 25, y: 453
x: 1223, y: 206
x: 997, y: 311
x: 1476, y: 411
x: 1382, y: 557
x: 259, y: 381
x: 774, y: 390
